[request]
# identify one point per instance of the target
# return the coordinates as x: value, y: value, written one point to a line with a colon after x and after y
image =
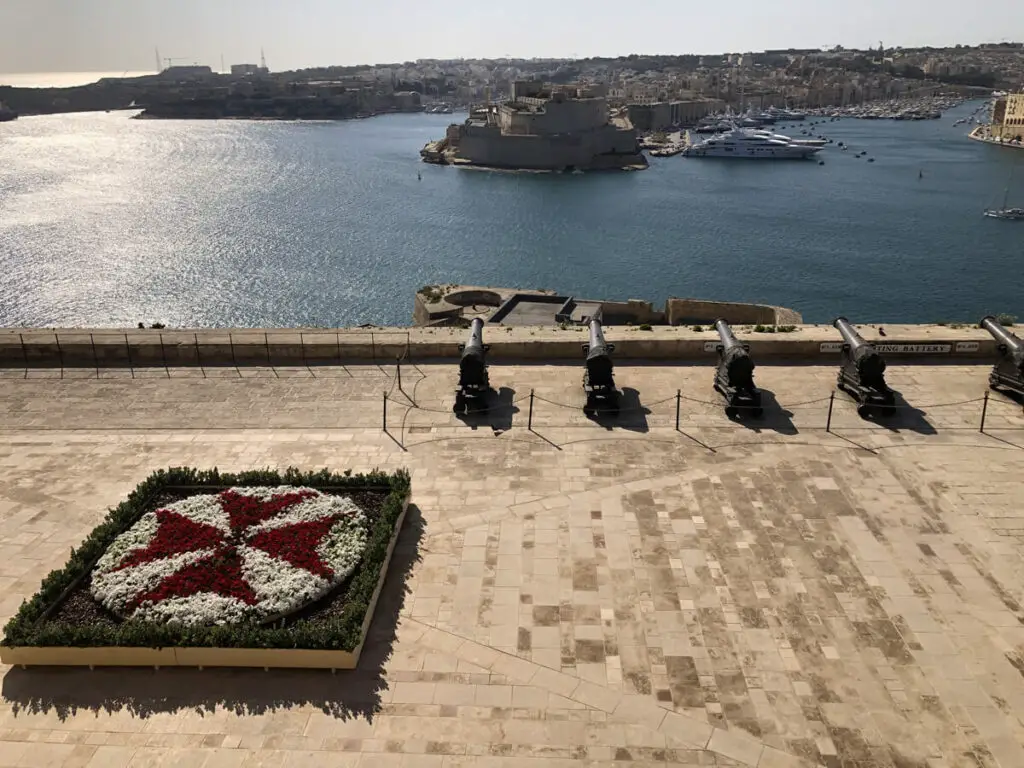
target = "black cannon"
x: 598, y: 381
x: 862, y: 373
x: 734, y: 378
x: 474, y: 384
x: 1008, y: 373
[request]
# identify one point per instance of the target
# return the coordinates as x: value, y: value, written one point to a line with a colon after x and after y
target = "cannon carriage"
x: 474, y: 382
x: 598, y: 377
x: 1008, y: 372
x: 734, y: 377
x: 862, y: 373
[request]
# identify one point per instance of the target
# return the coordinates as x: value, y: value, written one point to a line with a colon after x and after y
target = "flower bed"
x: 202, y: 560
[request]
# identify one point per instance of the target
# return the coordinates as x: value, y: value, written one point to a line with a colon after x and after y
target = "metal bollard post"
x: 831, y: 401
x: 529, y: 420
x: 385, y: 411
x: 60, y: 353
x: 163, y: 355
x: 398, y: 373
x: 128, y: 349
x: 24, y: 352
x: 679, y: 397
x: 984, y: 410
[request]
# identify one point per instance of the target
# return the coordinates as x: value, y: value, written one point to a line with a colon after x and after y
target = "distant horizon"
x: 42, y: 78
x: 49, y: 78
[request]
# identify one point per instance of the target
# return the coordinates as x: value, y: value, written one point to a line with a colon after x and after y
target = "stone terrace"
x: 576, y: 595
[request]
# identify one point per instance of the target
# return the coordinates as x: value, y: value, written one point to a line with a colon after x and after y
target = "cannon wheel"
x: 460, y: 403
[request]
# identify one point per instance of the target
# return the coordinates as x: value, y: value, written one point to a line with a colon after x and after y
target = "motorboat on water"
x: 747, y: 144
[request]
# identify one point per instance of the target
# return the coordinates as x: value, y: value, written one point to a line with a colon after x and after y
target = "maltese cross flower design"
x: 246, y: 554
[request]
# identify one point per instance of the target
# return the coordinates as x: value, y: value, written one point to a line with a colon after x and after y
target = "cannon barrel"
x: 1008, y: 372
x: 739, y: 367
x: 870, y: 365
x: 475, y: 346
x: 862, y: 373
x: 598, y: 347
x: 473, y: 379
x: 849, y: 333
x: 1014, y: 346
x: 725, y: 333
x: 734, y: 376
x: 599, y: 359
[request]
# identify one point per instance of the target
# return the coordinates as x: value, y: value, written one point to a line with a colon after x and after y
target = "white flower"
x: 263, y: 570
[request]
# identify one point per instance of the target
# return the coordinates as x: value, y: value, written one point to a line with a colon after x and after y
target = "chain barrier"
x: 646, y: 409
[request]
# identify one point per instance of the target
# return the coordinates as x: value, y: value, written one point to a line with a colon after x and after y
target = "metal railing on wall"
x: 147, y: 349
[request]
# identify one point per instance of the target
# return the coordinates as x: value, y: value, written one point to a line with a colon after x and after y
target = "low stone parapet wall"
x: 33, y: 347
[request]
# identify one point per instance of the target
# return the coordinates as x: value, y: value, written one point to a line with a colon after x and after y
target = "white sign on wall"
x: 915, y: 349
x: 904, y: 349
x: 967, y: 346
x: 711, y: 346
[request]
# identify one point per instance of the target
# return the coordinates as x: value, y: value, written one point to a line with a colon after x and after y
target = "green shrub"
x: 432, y: 293
x: 697, y: 329
x: 340, y: 633
x: 1006, y: 319
x: 645, y: 327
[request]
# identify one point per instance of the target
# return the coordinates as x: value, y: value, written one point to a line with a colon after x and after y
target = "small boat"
x: 1013, y: 214
x: 1005, y: 212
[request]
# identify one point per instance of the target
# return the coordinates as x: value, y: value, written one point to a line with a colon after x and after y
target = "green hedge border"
x: 342, y: 633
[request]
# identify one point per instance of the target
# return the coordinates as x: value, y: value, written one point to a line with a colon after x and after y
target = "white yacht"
x: 750, y: 145
x: 802, y: 142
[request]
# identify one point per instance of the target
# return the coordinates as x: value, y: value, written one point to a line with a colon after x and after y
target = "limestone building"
x: 541, y: 127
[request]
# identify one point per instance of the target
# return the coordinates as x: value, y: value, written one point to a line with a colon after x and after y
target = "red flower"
x: 222, y: 572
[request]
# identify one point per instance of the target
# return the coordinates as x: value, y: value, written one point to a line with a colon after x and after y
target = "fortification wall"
x: 681, y: 311
x: 106, y: 348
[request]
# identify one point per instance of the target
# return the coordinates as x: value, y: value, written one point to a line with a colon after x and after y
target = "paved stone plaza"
x: 576, y: 595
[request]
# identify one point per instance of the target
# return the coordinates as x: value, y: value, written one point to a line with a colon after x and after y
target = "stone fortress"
x: 541, y: 127
x: 457, y: 305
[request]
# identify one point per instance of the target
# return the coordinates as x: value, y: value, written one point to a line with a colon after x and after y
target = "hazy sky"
x: 120, y: 35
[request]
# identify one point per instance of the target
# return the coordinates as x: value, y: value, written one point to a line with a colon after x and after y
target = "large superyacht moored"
x: 747, y: 144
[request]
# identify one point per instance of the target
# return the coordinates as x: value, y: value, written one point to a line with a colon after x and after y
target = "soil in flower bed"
x: 80, y: 608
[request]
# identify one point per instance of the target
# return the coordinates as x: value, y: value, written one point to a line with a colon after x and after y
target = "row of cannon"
x: 861, y: 371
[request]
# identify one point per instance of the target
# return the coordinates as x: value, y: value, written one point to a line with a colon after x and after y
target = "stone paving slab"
x: 581, y: 594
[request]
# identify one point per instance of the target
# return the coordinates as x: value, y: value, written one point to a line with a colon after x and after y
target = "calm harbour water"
x: 106, y: 221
